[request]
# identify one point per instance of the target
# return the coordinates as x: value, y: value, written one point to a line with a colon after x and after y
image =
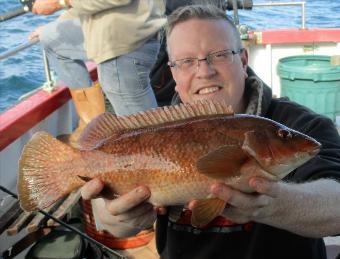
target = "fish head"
x: 279, y: 149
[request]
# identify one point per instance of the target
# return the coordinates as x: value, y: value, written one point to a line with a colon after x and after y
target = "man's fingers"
x: 221, y: 191
x: 237, y: 198
x: 266, y: 187
x: 128, y: 201
x: 231, y: 196
x: 138, y: 211
x: 91, y: 189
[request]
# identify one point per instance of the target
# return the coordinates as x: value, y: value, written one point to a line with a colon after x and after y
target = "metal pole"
x: 12, y: 14
x: 47, y: 69
x: 69, y: 226
x: 21, y: 47
x: 303, y: 15
x: 236, y: 19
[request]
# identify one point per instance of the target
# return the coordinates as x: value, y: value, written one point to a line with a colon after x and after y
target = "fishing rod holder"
x: 50, y: 82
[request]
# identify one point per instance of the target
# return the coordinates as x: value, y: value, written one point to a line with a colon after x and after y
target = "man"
x: 283, y: 219
x: 121, y: 37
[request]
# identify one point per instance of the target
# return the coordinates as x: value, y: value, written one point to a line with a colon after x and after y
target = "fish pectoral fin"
x: 206, y: 210
x: 223, y: 162
x: 256, y: 144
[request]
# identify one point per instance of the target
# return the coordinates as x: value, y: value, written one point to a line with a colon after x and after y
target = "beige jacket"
x: 116, y: 27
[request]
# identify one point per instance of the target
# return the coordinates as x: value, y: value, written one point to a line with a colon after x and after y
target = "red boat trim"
x: 292, y: 36
x: 28, y: 113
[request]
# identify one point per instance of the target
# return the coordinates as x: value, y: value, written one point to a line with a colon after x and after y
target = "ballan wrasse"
x: 177, y: 152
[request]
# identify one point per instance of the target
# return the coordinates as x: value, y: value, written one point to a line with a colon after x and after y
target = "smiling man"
x: 285, y: 219
x: 208, y: 69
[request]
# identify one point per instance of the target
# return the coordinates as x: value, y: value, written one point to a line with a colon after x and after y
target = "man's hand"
x: 36, y: 33
x: 46, y: 7
x: 309, y: 209
x: 244, y: 207
x: 124, y: 216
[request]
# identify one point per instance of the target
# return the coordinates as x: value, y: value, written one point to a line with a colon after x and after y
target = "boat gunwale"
x: 29, y: 112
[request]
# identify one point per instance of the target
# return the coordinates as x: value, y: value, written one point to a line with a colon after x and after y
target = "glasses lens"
x: 225, y: 57
x: 187, y: 64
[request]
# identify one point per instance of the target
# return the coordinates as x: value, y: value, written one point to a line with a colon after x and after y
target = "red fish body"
x: 178, y: 152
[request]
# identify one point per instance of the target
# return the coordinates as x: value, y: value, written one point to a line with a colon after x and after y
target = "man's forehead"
x: 216, y: 24
x: 189, y: 36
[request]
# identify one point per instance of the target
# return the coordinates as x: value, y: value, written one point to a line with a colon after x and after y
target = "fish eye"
x: 285, y: 134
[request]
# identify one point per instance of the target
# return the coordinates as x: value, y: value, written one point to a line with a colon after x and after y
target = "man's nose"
x: 205, y: 68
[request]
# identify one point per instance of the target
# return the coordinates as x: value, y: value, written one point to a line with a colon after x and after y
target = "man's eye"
x: 187, y: 62
x: 221, y: 55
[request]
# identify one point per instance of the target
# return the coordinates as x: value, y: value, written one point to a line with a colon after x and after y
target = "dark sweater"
x: 259, y: 241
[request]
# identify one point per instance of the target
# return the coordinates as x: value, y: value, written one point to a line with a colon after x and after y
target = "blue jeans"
x: 125, y: 79
x: 63, y: 42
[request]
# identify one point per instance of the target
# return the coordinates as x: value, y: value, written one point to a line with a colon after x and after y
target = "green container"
x: 311, y: 81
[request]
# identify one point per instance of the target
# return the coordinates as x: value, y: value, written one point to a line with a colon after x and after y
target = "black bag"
x: 59, y: 244
x: 64, y: 244
x: 161, y: 79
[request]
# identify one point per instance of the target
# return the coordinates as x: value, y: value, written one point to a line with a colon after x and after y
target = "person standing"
x: 122, y: 38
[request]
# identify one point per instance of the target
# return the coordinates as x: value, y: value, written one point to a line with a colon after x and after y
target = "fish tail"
x: 46, y: 173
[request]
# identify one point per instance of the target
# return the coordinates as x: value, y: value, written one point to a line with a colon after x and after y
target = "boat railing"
x: 302, y: 3
x: 50, y: 83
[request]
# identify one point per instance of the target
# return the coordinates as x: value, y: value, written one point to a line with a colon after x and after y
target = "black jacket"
x: 262, y: 241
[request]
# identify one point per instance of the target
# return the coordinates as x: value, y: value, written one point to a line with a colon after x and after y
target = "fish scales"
x: 177, y: 157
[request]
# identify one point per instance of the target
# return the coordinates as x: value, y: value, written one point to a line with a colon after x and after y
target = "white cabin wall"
x: 263, y: 59
x: 57, y: 123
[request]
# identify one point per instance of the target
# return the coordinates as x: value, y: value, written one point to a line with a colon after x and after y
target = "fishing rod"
x: 26, y: 7
x: 85, y: 236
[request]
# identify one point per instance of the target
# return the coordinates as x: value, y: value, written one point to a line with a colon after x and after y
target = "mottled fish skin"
x: 177, y: 152
x: 169, y: 167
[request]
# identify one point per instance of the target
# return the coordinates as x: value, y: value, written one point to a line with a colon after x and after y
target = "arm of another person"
x: 124, y: 216
x: 47, y: 7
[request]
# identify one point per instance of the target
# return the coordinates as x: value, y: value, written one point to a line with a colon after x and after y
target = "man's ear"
x: 244, y: 60
x: 174, y: 76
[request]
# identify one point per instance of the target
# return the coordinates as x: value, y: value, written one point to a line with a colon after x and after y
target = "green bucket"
x: 312, y: 81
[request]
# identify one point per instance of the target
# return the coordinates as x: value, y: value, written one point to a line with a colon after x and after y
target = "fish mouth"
x: 208, y: 89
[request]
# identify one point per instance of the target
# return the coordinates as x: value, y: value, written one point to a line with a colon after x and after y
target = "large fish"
x: 178, y: 152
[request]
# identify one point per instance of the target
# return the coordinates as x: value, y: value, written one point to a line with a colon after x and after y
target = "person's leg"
x: 125, y: 79
x: 63, y: 42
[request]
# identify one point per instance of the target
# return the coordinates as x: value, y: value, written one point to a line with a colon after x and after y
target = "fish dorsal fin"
x: 206, y: 210
x: 108, y: 126
x: 223, y: 162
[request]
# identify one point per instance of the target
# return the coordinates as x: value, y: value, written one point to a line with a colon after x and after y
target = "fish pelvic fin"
x: 206, y: 210
x: 223, y: 162
x: 45, y: 174
x: 108, y: 126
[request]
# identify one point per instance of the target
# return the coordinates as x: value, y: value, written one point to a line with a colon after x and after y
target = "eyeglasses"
x: 225, y: 57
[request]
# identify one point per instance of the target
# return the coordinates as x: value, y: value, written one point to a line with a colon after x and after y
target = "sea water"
x: 24, y: 72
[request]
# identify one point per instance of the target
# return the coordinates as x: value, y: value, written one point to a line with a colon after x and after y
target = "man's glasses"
x: 225, y: 57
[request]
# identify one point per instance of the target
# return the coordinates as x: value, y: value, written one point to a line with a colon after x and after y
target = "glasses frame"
x: 208, y: 58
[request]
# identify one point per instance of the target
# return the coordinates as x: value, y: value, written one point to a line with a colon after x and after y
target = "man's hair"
x: 204, y: 12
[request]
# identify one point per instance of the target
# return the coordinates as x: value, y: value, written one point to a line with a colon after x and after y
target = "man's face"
x: 223, y: 82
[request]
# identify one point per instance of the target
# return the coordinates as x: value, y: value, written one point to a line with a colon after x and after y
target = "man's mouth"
x: 208, y: 90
